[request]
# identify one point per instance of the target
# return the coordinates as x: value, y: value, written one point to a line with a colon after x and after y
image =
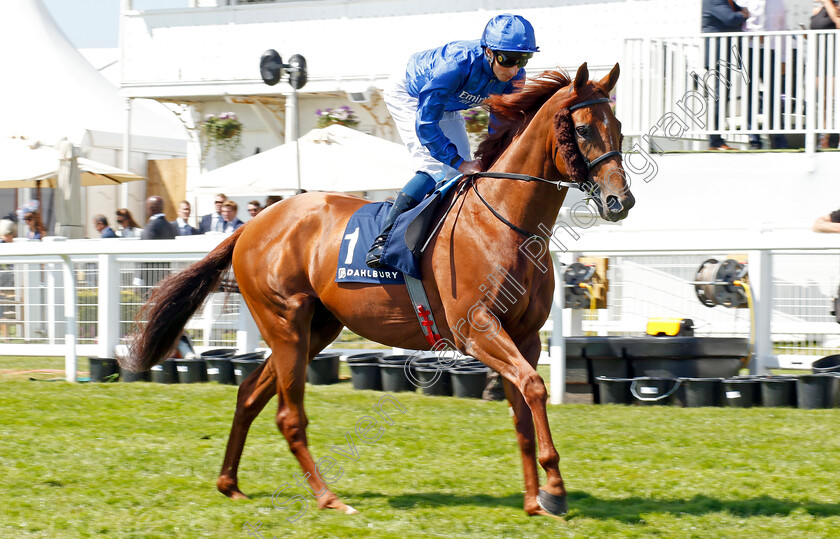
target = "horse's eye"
x: 582, y: 130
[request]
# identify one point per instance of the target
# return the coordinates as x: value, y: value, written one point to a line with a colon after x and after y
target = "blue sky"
x: 95, y: 23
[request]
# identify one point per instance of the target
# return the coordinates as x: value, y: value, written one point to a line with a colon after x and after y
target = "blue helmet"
x: 509, y: 33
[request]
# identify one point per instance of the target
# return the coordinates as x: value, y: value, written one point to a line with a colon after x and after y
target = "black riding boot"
x: 402, y: 204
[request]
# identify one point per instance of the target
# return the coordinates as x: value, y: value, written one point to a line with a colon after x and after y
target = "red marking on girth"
x: 427, y: 323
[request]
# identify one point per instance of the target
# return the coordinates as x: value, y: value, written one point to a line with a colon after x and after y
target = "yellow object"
x: 748, y: 291
x: 669, y: 326
x: 592, y: 303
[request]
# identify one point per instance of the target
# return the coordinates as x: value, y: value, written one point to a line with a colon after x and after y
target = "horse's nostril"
x: 614, y: 204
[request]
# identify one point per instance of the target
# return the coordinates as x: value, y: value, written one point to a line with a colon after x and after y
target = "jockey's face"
x: 504, y: 74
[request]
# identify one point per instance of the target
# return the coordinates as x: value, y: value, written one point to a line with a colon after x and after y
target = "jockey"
x: 426, y: 99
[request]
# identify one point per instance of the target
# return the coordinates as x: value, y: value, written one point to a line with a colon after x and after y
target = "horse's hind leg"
x: 254, y: 393
x: 302, y: 324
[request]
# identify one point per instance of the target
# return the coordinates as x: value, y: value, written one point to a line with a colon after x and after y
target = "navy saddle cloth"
x: 361, y: 230
x: 400, y: 257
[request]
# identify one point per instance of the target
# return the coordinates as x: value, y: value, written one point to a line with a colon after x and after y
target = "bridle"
x: 586, y: 186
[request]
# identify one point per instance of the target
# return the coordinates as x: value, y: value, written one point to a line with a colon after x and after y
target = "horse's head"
x: 588, y: 143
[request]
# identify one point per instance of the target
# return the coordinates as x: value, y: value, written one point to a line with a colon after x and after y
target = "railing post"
x: 108, y: 305
x: 811, y: 47
x: 247, y: 334
x: 761, y: 284
x: 53, y: 281
x: 70, y: 360
x: 557, y: 350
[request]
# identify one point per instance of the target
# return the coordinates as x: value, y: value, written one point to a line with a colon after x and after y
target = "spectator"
x: 213, y: 222
x: 254, y: 208
x: 230, y: 221
x: 765, y: 16
x: 720, y: 16
x: 158, y: 228
x: 8, y: 229
x: 826, y: 16
x: 181, y: 222
x: 128, y: 226
x: 827, y: 223
x: 36, y: 228
x: 271, y: 199
x: 100, y: 223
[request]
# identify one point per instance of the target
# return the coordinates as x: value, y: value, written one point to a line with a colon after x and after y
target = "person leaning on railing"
x: 827, y: 224
x: 36, y: 227
x: 129, y: 227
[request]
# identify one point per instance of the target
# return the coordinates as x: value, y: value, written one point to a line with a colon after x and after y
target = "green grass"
x: 141, y: 460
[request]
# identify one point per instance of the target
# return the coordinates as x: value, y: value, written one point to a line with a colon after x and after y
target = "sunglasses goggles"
x: 510, y: 59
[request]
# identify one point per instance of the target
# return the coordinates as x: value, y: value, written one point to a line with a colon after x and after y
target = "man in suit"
x: 212, y: 222
x: 181, y: 222
x: 100, y: 223
x: 158, y: 228
x: 231, y: 221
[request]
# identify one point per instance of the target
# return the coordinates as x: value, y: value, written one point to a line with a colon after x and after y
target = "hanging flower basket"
x: 342, y: 116
x: 476, y: 120
x: 222, y: 135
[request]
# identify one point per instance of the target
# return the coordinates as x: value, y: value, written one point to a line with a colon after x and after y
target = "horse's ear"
x: 609, y: 81
x: 582, y: 75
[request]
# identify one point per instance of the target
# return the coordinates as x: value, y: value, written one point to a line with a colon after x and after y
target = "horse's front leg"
x: 502, y: 355
x: 523, y: 422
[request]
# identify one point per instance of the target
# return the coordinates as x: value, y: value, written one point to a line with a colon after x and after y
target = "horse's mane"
x: 512, y: 112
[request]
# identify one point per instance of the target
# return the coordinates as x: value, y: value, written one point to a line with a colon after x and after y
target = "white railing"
x: 774, y: 83
x: 79, y: 297
x: 793, y: 276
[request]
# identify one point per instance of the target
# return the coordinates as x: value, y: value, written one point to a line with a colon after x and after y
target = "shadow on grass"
x: 627, y: 510
x: 631, y: 509
x: 423, y: 499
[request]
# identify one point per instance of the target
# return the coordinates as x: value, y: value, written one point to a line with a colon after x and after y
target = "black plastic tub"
x: 685, y: 357
x: 817, y: 390
x: 699, y: 392
x: 394, y: 377
x: 826, y: 364
x: 165, y: 373
x: 434, y: 379
x: 469, y: 382
x: 365, y: 357
x: 604, y: 355
x: 242, y: 368
x: 778, y: 391
x: 365, y: 375
x: 219, y: 352
x: 103, y: 368
x: 577, y: 366
x: 254, y: 356
x: 614, y: 390
x: 323, y: 369
x: 741, y: 392
x: 191, y: 371
x: 653, y: 390
x: 220, y: 370
x: 128, y: 376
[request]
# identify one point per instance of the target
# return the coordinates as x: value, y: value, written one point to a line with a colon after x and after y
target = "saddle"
x: 405, y: 245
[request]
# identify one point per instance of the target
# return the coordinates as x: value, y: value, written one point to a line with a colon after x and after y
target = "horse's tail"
x: 172, y: 304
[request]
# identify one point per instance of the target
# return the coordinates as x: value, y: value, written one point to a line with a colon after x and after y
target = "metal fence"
x: 674, y: 92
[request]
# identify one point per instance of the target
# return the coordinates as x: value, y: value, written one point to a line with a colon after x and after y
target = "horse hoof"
x: 555, y: 505
x: 350, y: 511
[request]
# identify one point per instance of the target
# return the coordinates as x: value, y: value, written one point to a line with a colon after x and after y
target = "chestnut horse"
x: 285, y: 262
